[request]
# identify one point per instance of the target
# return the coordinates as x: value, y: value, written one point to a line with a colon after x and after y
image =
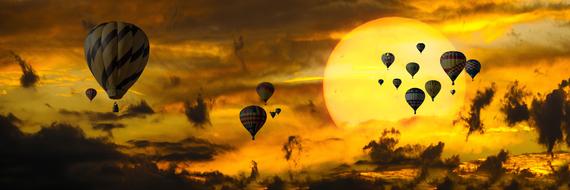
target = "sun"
x: 351, y: 88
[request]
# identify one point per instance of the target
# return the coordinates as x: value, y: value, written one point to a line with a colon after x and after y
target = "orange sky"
x: 287, y: 44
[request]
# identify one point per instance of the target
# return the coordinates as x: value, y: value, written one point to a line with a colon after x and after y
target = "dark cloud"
x: 486, y: 7
x: 29, y: 77
x: 473, y: 119
x: 514, y: 107
x: 292, y: 145
x: 138, y: 110
x: 189, y: 149
x: 493, y: 165
x: 238, y: 46
x: 197, y: 113
x: 547, y: 117
x: 107, y: 127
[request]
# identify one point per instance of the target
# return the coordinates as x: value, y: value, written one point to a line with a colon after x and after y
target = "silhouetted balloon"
x: 452, y: 91
x: 420, y: 47
x: 412, y: 68
x: 116, y: 54
x: 388, y: 59
x: 272, y: 114
x: 472, y: 67
x: 452, y: 63
x: 265, y: 91
x: 397, y: 82
x: 415, y: 97
x: 380, y: 81
x: 278, y: 110
x: 91, y: 93
x: 252, y: 117
x: 433, y: 87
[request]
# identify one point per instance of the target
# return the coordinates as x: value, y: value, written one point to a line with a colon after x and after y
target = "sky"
x: 184, y: 110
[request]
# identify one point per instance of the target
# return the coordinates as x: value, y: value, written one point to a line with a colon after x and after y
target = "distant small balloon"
x: 433, y: 87
x: 388, y: 59
x: 278, y: 111
x: 272, y: 114
x: 420, y: 47
x: 412, y: 68
x: 397, y: 82
x: 90, y: 93
x: 415, y: 97
x: 265, y: 90
x: 472, y: 67
x: 453, y: 92
x: 380, y: 81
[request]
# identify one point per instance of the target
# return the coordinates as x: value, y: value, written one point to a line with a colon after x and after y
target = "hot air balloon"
x: 380, y: 81
x: 420, y: 47
x: 388, y: 59
x: 272, y: 113
x: 415, y: 97
x: 433, y: 87
x: 453, y: 63
x: 252, y: 117
x: 116, y: 54
x: 278, y: 111
x: 412, y: 68
x: 397, y: 82
x: 452, y: 91
x: 472, y: 67
x: 265, y: 90
x: 90, y: 93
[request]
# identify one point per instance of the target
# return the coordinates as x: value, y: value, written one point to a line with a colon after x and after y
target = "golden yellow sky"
x: 288, y: 44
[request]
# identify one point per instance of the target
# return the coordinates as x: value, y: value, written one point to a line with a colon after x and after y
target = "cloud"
x: 547, y: 116
x: 292, y: 145
x: 29, y: 77
x: 514, y: 107
x: 138, y: 110
x: 189, y: 149
x: 141, y: 109
x: 473, y: 119
x: 494, y: 165
x: 197, y: 113
x: 107, y: 127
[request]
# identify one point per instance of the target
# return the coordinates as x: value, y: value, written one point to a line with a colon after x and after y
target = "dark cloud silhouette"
x: 197, y: 113
x: 189, y: 149
x: 547, y: 117
x: 293, y: 144
x: 473, y: 119
x: 514, y: 107
x: 138, y: 110
x: 493, y: 165
x: 107, y: 127
x: 238, y: 46
x: 29, y: 77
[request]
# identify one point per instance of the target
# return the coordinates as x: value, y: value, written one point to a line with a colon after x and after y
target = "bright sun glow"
x: 351, y: 88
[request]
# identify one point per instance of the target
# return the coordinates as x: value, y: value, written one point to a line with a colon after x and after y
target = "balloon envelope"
x: 388, y: 59
x: 265, y: 91
x: 278, y: 110
x: 90, y: 93
x: 452, y: 92
x: 420, y: 47
x: 380, y: 81
x: 252, y: 118
x: 472, y: 67
x: 412, y: 68
x: 415, y: 97
x: 397, y: 82
x: 116, y: 54
x: 433, y: 87
x: 452, y: 63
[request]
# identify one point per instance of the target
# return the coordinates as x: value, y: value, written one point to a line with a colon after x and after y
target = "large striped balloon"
x: 415, y: 97
x: 433, y: 87
x: 265, y: 91
x: 452, y: 63
x: 252, y: 117
x: 472, y: 67
x: 116, y: 54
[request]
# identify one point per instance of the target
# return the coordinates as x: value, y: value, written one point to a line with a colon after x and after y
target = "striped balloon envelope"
x: 415, y: 97
x: 116, y: 54
x: 252, y: 118
x: 452, y: 63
